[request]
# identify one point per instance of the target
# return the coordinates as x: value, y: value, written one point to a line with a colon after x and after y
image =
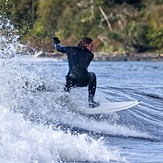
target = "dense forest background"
x: 123, y: 26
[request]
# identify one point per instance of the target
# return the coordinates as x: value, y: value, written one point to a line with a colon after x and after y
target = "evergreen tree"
x: 115, y: 25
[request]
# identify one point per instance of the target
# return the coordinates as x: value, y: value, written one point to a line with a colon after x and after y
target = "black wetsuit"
x: 79, y: 59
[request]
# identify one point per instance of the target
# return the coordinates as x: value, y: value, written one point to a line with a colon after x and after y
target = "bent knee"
x: 92, y: 75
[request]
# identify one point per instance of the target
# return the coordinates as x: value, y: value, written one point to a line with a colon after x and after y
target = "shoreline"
x: 128, y: 57
x: 101, y: 56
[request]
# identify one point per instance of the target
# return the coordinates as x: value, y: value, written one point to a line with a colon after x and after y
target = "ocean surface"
x: 40, y: 123
x: 37, y: 123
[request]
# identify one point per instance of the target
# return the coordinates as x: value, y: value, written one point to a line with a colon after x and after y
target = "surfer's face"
x: 89, y: 46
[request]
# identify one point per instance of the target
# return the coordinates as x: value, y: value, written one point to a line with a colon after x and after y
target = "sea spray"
x: 22, y: 141
x: 10, y: 45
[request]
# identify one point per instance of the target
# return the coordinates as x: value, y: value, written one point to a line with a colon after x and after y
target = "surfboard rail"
x: 109, y: 107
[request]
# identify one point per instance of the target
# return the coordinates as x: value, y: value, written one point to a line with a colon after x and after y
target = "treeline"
x: 115, y: 25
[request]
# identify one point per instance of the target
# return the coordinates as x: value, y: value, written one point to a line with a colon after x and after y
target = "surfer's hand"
x: 56, y: 40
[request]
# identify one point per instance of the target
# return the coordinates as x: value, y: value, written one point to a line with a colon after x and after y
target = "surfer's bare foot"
x: 93, y: 104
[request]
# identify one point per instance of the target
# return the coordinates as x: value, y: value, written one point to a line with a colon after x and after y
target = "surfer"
x: 79, y: 58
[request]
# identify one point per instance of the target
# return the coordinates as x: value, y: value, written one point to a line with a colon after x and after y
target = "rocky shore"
x: 108, y: 57
x: 129, y: 57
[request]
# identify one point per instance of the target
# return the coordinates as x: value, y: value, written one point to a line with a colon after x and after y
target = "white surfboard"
x: 109, y: 107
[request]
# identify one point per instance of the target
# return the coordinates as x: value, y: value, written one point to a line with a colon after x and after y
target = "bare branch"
x: 106, y: 18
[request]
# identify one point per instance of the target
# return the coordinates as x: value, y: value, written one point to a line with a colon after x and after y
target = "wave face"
x: 38, y: 122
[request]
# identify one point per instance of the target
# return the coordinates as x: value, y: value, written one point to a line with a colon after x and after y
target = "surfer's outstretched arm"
x: 58, y: 46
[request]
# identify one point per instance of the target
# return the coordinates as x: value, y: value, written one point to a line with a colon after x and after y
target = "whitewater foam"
x: 22, y: 141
